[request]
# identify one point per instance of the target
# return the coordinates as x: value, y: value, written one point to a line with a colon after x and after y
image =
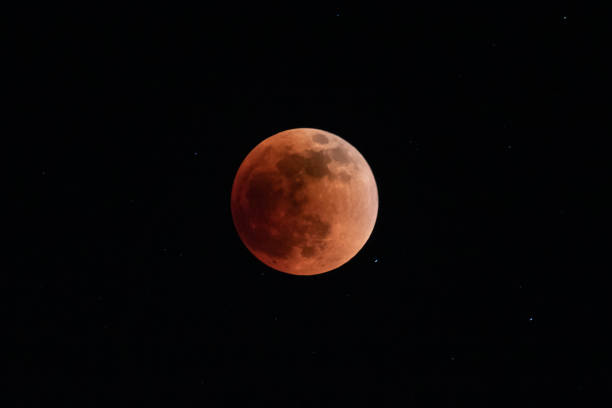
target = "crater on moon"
x: 340, y: 154
x: 320, y: 138
x: 314, y: 163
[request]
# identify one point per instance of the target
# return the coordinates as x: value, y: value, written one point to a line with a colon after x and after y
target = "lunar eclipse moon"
x: 304, y: 201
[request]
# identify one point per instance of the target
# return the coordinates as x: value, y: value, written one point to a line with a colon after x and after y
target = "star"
x: 195, y: 153
x: 531, y: 319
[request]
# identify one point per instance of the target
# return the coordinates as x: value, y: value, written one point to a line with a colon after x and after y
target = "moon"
x: 304, y: 201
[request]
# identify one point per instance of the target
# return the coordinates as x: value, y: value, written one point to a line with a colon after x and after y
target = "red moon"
x: 304, y: 201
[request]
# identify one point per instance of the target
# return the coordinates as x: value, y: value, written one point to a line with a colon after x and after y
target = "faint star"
x: 375, y: 260
x: 531, y: 319
x: 195, y: 153
x: 44, y: 173
x: 452, y: 358
x: 564, y: 17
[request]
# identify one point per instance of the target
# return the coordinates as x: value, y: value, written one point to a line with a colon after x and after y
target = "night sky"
x: 480, y: 284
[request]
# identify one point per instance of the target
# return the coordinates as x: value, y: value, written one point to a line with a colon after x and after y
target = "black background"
x: 484, y: 127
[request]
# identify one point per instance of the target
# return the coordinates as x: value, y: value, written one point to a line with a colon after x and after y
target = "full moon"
x: 304, y: 201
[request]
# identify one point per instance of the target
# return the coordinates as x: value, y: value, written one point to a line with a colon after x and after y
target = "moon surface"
x: 304, y: 201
